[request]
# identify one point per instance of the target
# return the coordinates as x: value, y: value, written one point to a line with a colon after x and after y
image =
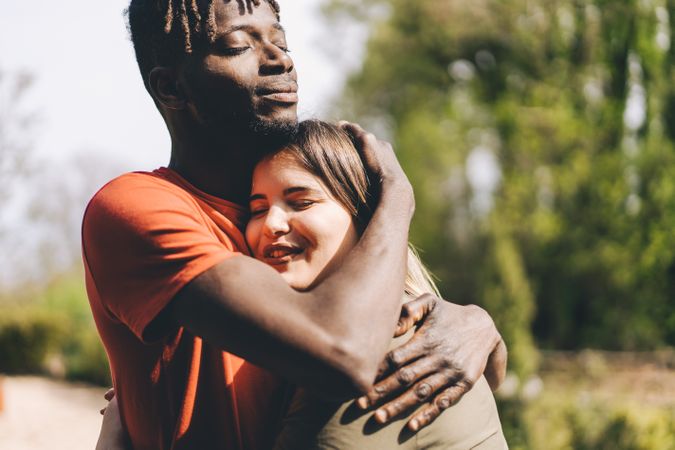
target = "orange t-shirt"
x: 144, y: 237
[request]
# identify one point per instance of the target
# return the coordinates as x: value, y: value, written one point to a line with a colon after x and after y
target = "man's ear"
x: 166, y: 88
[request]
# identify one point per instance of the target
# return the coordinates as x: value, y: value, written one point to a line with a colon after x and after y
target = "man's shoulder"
x: 128, y: 186
x: 137, y: 198
x: 137, y: 191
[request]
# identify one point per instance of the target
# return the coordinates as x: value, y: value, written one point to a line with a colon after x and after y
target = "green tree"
x: 539, y: 138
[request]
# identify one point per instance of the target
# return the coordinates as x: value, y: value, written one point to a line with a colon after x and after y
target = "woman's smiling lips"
x: 280, y: 253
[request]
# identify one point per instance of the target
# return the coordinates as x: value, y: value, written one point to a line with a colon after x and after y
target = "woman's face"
x: 296, y: 226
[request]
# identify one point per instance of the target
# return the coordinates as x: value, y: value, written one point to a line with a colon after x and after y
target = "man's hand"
x: 381, y: 164
x: 452, y: 347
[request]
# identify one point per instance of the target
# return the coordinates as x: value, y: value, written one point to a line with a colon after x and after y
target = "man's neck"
x: 223, y: 171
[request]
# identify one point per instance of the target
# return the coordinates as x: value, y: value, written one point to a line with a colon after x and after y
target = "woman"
x: 309, y: 203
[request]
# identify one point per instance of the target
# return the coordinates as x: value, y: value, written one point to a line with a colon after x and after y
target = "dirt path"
x: 45, y: 414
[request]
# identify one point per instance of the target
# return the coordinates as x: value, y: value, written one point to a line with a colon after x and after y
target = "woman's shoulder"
x: 471, y: 423
x: 312, y: 423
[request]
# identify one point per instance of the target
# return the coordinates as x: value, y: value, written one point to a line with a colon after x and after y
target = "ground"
x: 647, y: 378
x: 41, y: 414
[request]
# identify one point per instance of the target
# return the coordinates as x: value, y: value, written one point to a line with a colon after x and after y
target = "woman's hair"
x: 327, y: 152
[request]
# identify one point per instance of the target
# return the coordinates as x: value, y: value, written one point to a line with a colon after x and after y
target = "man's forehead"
x: 241, y: 12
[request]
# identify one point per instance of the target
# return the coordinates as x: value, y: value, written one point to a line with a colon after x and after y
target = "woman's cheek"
x: 252, y: 235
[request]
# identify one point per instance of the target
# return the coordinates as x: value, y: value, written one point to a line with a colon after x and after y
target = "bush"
x: 27, y: 336
x: 86, y: 360
x: 82, y: 352
x: 562, y: 425
x: 57, y: 325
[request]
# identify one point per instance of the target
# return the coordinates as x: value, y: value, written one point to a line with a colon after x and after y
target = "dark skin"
x: 247, y: 75
x: 248, y: 69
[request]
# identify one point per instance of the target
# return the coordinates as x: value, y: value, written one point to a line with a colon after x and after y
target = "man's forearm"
x: 332, y: 337
x: 361, y: 301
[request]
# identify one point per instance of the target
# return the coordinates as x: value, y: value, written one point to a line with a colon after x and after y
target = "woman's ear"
x: 166, y: 88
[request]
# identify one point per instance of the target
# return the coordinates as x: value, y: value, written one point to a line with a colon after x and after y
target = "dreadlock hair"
x: 164, y: 31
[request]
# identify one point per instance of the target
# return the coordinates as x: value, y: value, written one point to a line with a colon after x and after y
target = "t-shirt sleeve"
x: 142, y: 242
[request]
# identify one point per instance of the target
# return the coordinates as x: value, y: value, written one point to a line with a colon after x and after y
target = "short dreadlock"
x: 163, y: 31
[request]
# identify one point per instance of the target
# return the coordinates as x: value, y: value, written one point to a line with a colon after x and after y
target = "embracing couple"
x: 247, y: 293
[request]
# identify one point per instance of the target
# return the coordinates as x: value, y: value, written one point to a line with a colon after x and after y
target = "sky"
x: 89, y: 95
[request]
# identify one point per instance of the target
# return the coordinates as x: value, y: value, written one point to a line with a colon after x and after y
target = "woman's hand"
x: 112, y: 436
x: 453, y: 346
x: 109, y: 395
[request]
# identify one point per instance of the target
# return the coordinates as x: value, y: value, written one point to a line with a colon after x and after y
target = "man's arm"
x: 333, y: 337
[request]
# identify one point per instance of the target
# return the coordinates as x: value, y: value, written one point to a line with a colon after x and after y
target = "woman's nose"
x: 276, y: 222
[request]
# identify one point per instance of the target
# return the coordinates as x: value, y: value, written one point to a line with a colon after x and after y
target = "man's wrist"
x: 397, y: 192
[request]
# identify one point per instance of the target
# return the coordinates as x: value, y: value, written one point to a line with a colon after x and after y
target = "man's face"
x: 245, y: 80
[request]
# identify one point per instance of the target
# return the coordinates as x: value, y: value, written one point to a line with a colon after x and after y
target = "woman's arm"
x: 112, y: 435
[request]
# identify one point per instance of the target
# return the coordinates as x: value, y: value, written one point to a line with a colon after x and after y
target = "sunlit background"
x: 539, y: 136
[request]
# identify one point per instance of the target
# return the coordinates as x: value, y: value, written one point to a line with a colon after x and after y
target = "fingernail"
x: 362, y: 402
x: 381, y: 416
x: 414, y: 425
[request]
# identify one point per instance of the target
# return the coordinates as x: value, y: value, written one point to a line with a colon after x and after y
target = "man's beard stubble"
x: 260, y: 136
x: 270, y: 136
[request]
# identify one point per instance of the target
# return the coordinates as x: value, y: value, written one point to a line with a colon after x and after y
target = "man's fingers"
x: 353, y: 129
x: 495, y: 371
x: 414, y: 349
x: 421, y: 392
x: 443, y: 401
x: 399, y: 380
x: 413, y: 312
x: 364, y: 141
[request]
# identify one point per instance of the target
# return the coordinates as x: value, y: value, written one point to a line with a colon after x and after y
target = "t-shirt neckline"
x: 172, y: 175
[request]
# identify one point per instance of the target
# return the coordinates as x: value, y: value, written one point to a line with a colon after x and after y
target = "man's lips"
x: 282, y: 93
x: 275, y: 254
x: 282, y: 97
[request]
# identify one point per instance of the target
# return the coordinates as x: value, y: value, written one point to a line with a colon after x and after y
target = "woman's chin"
x: 297, y: 282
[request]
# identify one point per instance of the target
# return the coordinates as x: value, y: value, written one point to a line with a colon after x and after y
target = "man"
x: 174, y: 295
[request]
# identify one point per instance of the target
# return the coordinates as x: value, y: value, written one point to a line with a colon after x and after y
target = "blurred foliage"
x: 52, y: 331
x: 593, y: 400
x: 27, y: 336
x: 556, y: 422
x: 539, y: 136
x: 83, y: 354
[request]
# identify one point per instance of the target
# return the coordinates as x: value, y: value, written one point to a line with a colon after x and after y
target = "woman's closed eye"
x: 258, y: 210
x: 301, y: 204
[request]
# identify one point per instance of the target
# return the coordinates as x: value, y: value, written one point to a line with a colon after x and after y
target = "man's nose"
x: 276, y: 60
x: 276, y: 222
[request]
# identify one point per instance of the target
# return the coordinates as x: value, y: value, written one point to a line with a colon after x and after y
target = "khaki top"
x: 316, y: 424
